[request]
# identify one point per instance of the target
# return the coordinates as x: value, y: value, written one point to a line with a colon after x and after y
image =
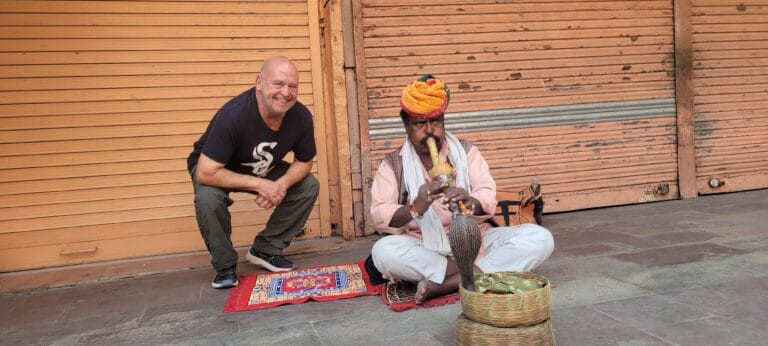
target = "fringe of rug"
x: 437, y: 301
x: 231, y: 304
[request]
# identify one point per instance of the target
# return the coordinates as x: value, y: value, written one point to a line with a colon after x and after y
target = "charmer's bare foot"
x: 424, y: 291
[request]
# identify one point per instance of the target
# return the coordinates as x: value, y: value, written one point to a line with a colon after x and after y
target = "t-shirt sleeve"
x: 305, y: 150
x: 221, y: 142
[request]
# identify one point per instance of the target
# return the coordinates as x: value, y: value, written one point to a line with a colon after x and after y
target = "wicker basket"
x: 509, y: 310
x: 473, y: 333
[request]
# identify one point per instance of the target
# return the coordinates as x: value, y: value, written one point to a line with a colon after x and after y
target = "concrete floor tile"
x: 166, y: 314
x: 743, y: 301
x: 22, y: 318
x: 649, y: 311
x: 688, y: 275
x: 590, y: 250
x: 750, y: 223
x: 644, y: 242
x: 702, y: 298
x: 655, y: 223
x: 568, y: 269
x: 738, y: 207
x: 721, y: 294
x: 379, y: 324
x: 750, y: 243
x: 759, y: 258
x: 38, y: 336
x: 446, y: 335
x: 85, y: 309
x: 683, y: 237
x: 165, y: 333
x: 420, y: 338
x: 713, y: 331
x: 584, y: 326
x: 104, y: 314
x: 151, y: 290
x: 750, y: 287
x: 112, y: 320
x: 300, y: 334
x: 19, y: 301
x: 70, y: 331
x: 210, y: 295
x: 307, y: 312
x: 678, y: 254
x: 750, y: 312
x: 589, y: 237
x: 592, y: 290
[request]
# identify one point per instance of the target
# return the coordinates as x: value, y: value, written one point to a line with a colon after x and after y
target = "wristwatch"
x: 414, y: 214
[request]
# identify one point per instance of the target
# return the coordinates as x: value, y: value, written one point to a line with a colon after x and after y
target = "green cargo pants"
x: 286, y: 222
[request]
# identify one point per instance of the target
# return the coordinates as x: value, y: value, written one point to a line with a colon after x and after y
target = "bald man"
x: 242, y: 150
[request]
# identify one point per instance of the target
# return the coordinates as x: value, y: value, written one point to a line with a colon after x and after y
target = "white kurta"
x: 402, y: 256
x: 519, y: 248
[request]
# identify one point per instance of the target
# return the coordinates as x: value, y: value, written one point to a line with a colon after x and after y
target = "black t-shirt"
x: 238, y: 137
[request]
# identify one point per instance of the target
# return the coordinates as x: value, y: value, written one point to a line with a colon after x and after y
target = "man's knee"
x: 311, y: 185
x: 542, y: 237
x: 306, y: 188
x: 383, y: 246
x: 209, y: 198
x: 387, y: 249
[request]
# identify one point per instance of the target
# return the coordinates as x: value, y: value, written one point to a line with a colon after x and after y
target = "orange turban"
x: 425, y: 98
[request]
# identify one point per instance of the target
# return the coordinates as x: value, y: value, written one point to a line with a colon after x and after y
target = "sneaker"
x: 226, y: 278
x: 274, y: 263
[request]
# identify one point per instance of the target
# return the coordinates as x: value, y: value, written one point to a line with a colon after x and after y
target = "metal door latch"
x: 661, y: 189
x: 715, y: 183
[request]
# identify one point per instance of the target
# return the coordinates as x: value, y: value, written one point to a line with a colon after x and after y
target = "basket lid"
x: 508, y: 282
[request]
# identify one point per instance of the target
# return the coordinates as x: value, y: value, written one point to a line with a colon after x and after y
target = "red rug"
x: 323, y: 283
x: 399, y: 296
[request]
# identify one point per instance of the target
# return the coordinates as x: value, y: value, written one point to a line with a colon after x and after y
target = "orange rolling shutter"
x: 100, y: 102
x: 730, y: 74
x: 578, y: 94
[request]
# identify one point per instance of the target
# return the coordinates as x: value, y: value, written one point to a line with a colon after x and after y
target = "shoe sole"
x: 215, y: 285
x: 260, y: 262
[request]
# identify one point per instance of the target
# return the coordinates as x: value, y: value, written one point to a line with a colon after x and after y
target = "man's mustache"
x: 423, y: 141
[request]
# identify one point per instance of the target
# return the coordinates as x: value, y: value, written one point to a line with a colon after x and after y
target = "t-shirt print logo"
x: 263, y: 159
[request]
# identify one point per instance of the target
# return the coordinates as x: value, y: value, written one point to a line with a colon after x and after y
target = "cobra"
x: 465, y: 239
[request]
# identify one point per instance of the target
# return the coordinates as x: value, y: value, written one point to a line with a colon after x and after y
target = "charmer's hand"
x: 458, y: 194
x: 427, y: 193
x: 455, y: 194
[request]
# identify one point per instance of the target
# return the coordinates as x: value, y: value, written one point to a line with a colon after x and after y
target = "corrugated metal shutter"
x: 730, y: 76
x: 100, y: 102
x: 578, y: 93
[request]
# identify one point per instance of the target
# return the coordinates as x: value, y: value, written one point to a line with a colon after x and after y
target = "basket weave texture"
x: 509, y: 310
x: 472, y: 333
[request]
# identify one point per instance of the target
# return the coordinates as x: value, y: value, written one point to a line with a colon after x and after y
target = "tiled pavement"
x: 691, y: 272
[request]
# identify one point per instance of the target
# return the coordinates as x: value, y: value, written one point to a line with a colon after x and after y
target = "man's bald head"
x: 271, y: 63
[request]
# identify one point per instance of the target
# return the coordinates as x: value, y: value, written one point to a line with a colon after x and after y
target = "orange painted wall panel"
x: 100, y: 102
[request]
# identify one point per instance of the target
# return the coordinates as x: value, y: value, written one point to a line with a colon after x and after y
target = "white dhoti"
x: 519, y: 248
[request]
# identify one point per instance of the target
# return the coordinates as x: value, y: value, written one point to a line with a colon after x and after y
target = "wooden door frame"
x: 686, y: 153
